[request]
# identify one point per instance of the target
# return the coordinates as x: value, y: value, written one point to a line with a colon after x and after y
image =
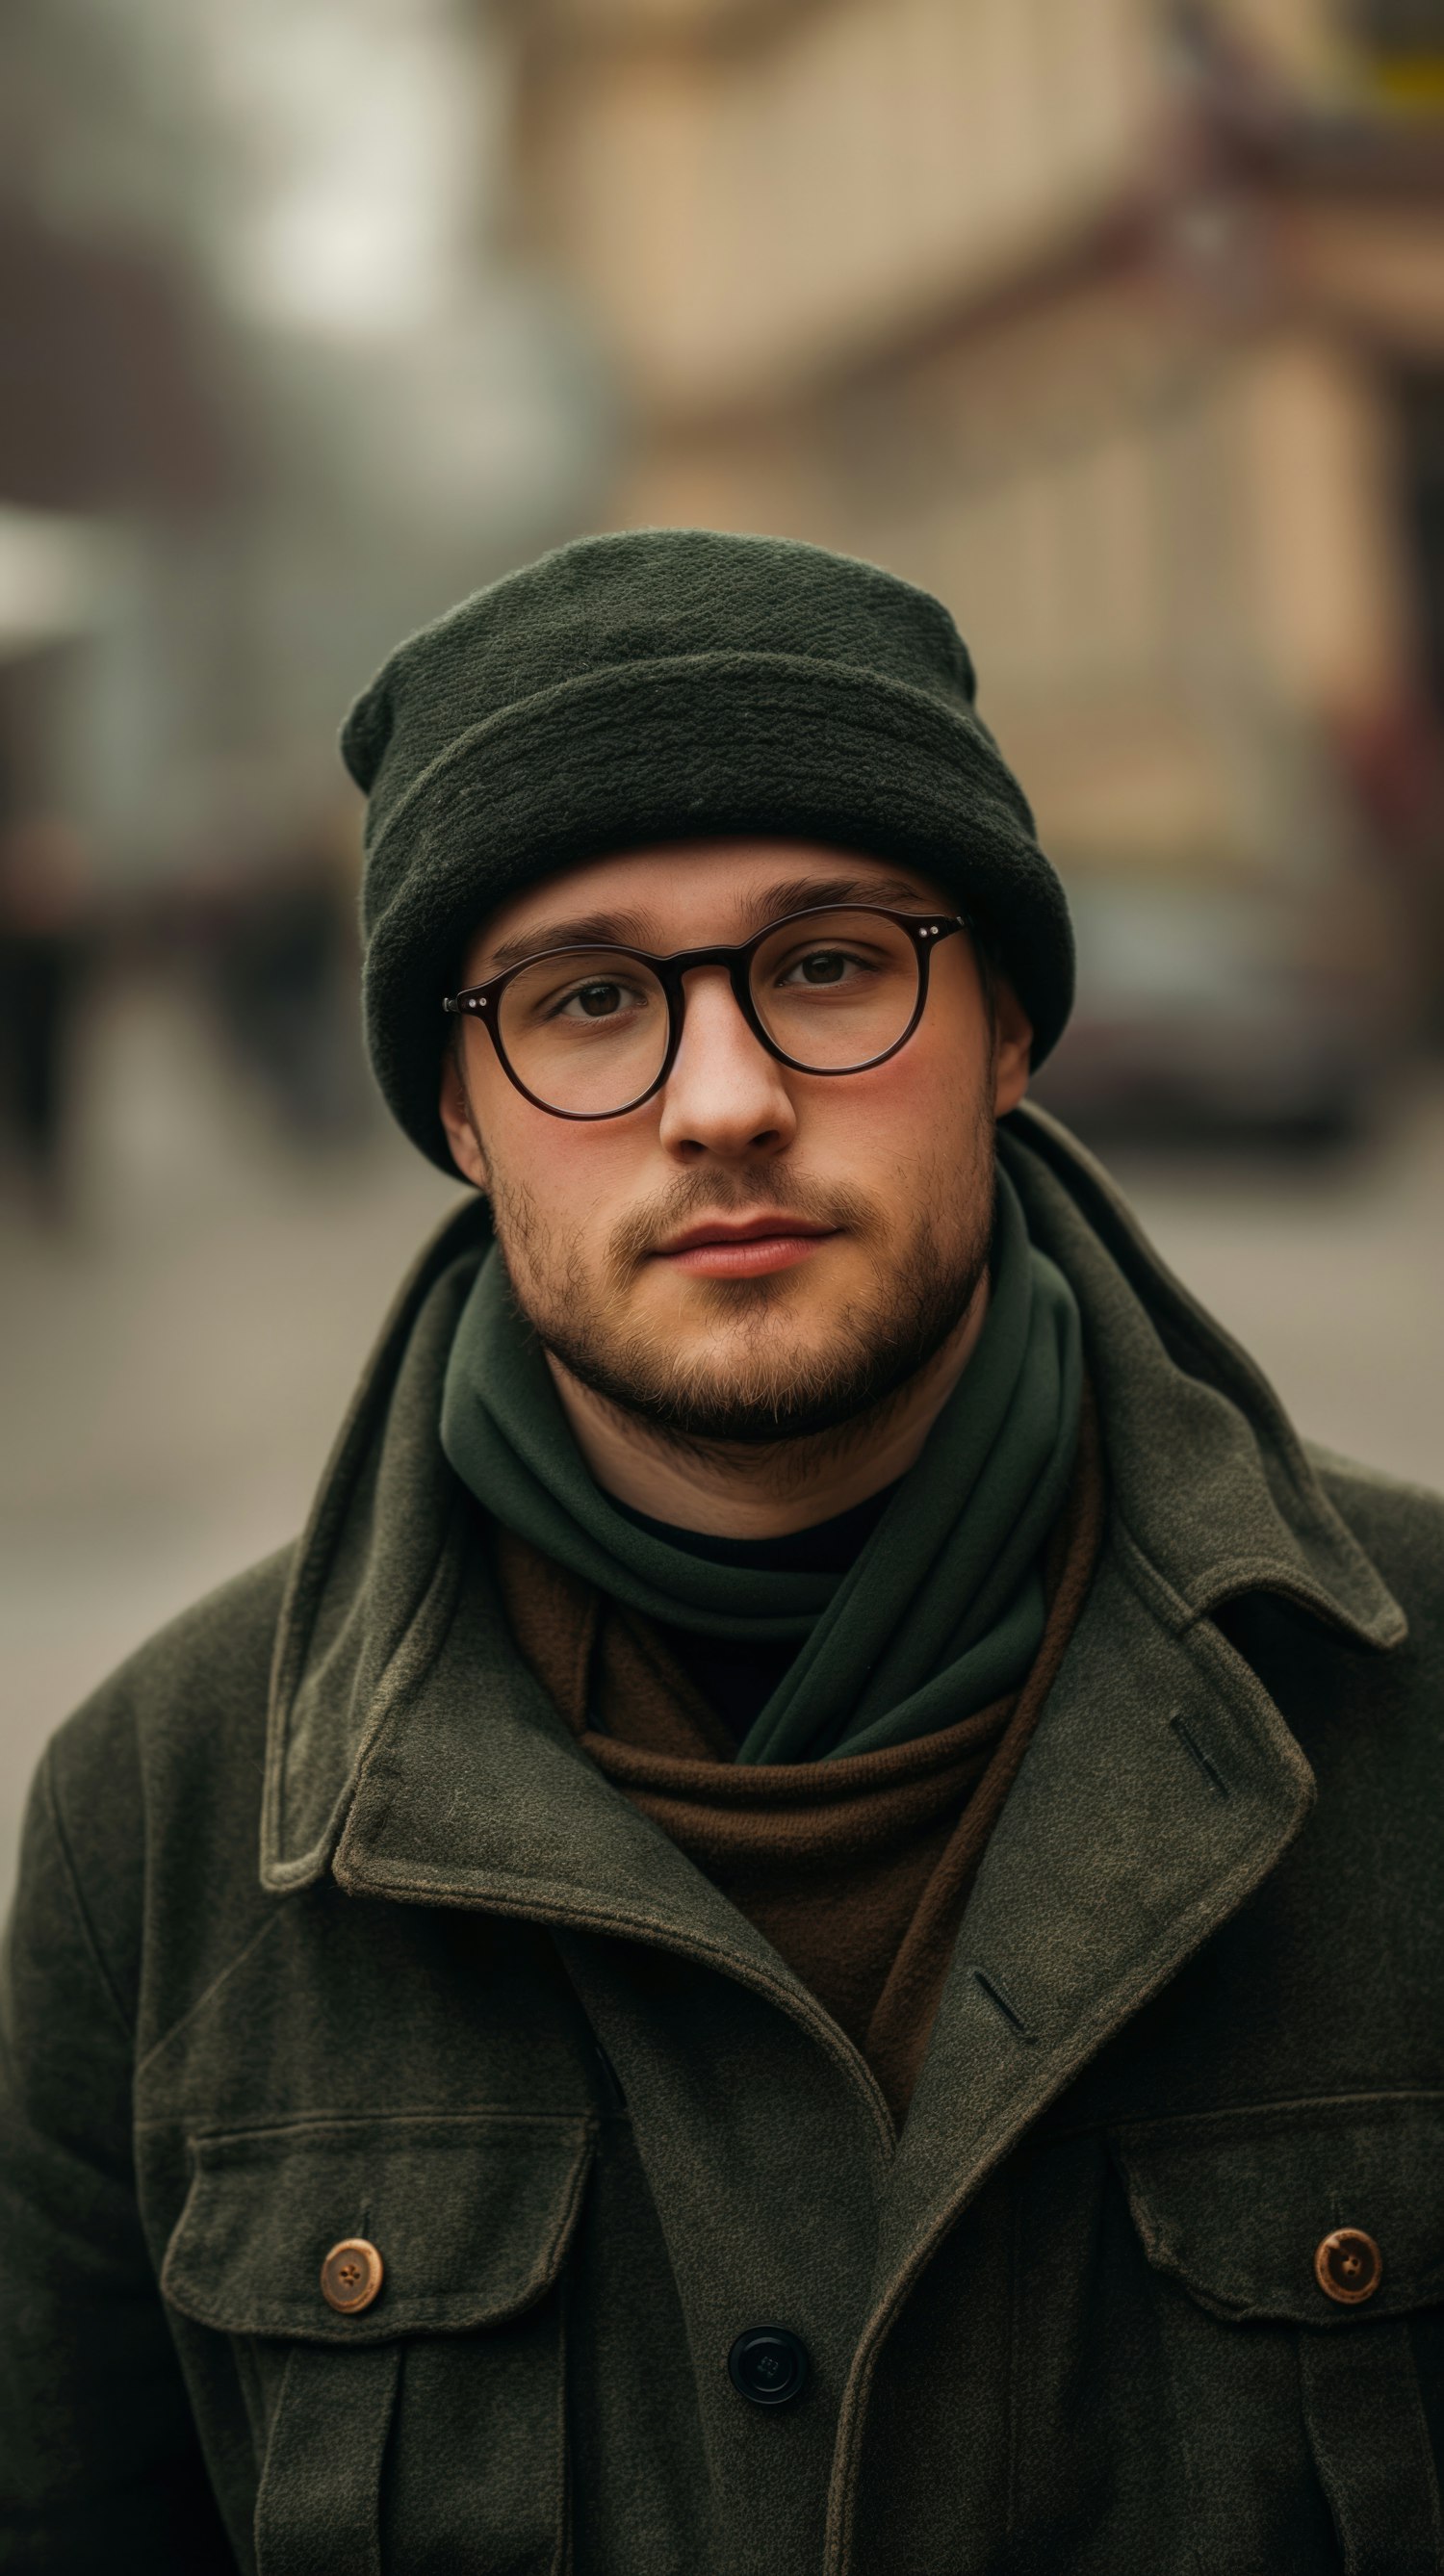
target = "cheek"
x: 922, y: 1105
x: 575, y: 1179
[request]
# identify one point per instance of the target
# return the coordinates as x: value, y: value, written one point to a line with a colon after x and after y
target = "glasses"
x: 591, y: 1032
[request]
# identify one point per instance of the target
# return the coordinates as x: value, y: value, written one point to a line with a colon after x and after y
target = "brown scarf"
x: 855, y: 1869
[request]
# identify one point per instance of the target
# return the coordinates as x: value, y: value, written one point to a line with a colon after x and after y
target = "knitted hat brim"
x: 689, y: 748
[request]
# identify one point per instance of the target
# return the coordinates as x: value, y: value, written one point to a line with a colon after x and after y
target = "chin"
x: 737, y: 1305
x: 753, y: 1386
x: 734, y: 1323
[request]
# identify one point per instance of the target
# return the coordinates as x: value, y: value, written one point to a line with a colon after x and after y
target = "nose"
x: 725, y: 1095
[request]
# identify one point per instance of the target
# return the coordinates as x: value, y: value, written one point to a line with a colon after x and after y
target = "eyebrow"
x: 630, y: 929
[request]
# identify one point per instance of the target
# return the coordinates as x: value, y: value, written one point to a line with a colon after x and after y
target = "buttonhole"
x: 1002, y: 2003
x: 1196, y: 1753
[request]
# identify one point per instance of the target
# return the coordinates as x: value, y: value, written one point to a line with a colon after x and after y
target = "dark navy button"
x: 769, y: 2364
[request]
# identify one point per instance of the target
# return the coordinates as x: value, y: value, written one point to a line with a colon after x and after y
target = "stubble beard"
x: 762, y: 1379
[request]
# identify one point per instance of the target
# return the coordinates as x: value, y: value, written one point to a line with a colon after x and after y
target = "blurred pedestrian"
x: 44, y: 939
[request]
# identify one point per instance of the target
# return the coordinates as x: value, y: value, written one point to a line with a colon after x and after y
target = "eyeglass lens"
x: 586, y: 1031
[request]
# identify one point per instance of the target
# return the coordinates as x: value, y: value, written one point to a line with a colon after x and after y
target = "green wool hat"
x: 667, y: 684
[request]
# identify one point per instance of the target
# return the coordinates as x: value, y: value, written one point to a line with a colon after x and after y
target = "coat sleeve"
x: 99, y: 2461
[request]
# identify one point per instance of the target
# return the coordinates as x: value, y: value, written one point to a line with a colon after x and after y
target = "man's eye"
x: 598, y: 1001
x: 821, y: 966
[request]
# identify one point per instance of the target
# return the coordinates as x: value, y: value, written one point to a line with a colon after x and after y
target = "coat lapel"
x: 475, y: 1793
x: 1161, y: 1787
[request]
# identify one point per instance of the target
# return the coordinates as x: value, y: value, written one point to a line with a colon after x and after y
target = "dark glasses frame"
x: 482, y: 1001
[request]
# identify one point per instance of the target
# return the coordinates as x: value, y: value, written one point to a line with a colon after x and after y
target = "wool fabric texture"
x: 943, y: 1610
x: 671, y: 684
x: 855, y: 1870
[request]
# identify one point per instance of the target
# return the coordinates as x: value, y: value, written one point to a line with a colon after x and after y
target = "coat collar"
x: 387, y: 1577
x: 1207, y: 1471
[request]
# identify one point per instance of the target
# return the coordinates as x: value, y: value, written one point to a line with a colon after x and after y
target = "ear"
x: 456, y: 1118
x: 1012, y: 1048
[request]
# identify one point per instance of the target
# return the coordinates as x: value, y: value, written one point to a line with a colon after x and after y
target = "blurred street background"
x: 1119, y: 323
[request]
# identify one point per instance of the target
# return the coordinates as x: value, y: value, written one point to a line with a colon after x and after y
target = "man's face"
x: 754, y: 1253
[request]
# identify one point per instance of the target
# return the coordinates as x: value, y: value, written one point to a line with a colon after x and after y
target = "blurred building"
x: 270, y: 396
x: 1122, y: 326
x: 113, y: 413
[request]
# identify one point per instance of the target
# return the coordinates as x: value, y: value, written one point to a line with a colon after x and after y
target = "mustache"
x: 697, y: 1195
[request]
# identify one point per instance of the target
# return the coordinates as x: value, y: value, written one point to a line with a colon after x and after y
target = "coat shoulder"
x: 156, y: 1778
x: 205, y: 1671
x: 1400, y: 1526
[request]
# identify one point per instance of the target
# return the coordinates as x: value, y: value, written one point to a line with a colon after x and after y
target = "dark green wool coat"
x: 472, y: 2005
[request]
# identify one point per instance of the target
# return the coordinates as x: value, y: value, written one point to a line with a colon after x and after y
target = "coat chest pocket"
x: 423, y: 2426
x: 1298, y: 2257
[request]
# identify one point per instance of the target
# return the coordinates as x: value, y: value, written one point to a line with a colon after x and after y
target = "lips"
x: 745, y: 1247
x: 751, y: 1229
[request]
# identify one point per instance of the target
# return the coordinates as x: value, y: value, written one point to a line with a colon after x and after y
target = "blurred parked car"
x: 1224, y: 1011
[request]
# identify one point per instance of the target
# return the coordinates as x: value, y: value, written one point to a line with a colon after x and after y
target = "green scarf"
x: 943, y: 1610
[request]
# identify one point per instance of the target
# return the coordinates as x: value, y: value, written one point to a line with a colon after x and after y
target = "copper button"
x: 351, y: 2275
x: 1349, y: 2266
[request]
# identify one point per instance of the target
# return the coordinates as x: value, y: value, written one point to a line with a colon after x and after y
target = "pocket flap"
x: 1236, y: 2204
x: 471, y: 2213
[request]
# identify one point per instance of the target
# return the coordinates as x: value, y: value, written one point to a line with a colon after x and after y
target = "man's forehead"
x: 673, y: 898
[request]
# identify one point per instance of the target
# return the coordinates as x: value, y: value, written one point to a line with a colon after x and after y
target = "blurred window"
x: 1402, y: 42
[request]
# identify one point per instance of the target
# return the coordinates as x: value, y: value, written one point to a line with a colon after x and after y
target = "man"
x: 802, y: 1933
